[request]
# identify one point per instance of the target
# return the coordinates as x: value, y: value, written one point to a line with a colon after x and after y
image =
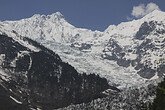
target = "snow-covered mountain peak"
x: 52, y: 28
x: 133, y: 26
x: 56, y: 15
x: 156, y: 15
x: 117, y: 48
x: 42, y: 27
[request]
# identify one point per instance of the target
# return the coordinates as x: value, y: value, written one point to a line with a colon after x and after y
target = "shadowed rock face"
x: 117, y: 54
x: 40, y: 78
x: 146, y: 73
x: 147, y: 46
x: 123, y: 62
x: 145, y: 29
x: 7, y: 103
x: 82, y: 46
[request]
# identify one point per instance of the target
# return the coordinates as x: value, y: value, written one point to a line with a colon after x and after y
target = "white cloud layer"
x: 142, y: 10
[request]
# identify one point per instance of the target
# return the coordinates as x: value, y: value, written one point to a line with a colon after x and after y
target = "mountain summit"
x: 52, y: 27
x: 119, y: 48
x: 129, y: 55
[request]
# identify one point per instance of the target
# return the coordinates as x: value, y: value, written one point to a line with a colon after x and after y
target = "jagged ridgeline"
x: 126, y: 54
x: 33, y: 76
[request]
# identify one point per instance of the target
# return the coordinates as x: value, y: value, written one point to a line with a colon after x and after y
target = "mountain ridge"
x: 87, y: 50
x: 39, y: 79
x: 130, y: 56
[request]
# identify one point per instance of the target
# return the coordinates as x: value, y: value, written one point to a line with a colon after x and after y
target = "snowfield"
x: 84, y: 49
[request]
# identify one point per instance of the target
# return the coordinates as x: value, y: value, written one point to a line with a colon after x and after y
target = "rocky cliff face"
x: 143, y: 56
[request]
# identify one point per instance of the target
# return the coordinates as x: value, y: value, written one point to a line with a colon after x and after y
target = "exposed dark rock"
x: 139, y: 66
x: 129, y: 50
x: 85, y: 46
x: 145, y: 29
x: 161, y: 70
x: 115, y: 49
x: 160, y: 31
x: 146, y: 73
x: 82, y: 46
x: 146, y: 44
x: 108, y: 57
x: 123, y: 62
x: 115, y: 52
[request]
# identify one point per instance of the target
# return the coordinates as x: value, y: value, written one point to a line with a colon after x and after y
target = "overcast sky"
x: 90, y: 14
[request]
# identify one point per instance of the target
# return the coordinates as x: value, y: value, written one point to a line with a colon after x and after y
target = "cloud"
x: 142, y: 10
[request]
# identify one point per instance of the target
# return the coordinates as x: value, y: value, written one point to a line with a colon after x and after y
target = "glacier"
x: 86, y: 49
